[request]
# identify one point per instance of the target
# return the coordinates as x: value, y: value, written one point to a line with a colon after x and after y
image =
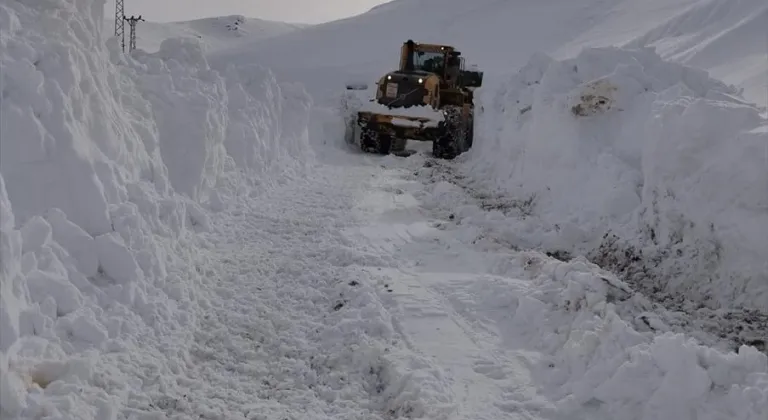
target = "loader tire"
x: 371, y: 141
x: 453, y: 140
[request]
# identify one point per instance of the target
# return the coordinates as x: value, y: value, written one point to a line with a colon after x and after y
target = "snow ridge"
x: 109, y: 163
x: 648, y: 167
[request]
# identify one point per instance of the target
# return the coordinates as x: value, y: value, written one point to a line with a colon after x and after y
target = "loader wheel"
x: 454, y: 138
x: 372, y: 141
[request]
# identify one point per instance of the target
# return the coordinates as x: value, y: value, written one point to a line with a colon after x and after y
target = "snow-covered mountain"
x: 183, y: 233
x: 725, y: 36
x: 214, y: 33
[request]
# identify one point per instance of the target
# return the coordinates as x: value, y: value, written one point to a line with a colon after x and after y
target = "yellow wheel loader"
x: 429, y: 98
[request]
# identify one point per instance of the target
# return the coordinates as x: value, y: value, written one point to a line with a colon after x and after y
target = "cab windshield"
x: 432, y: 62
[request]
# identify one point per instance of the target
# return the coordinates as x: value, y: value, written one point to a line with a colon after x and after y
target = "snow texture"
x: 183, y: 235
x: 625, y: 156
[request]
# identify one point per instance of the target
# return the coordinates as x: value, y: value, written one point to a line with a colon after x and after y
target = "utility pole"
x: 133, y: 21
x: 119, y: 22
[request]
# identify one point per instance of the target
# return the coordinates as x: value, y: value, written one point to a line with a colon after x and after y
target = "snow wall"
x: 649, y: 168
x: 108, y: 165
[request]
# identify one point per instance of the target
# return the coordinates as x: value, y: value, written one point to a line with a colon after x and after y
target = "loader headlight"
x: 421, y: 80
x: 389, y: 77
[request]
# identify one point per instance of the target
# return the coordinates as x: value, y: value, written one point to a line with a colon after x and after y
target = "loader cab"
x: 428, y: 74
x: 442, y: 60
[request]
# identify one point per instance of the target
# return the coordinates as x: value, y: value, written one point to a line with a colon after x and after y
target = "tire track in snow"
x: 485, y: 383
x: 494, y: 385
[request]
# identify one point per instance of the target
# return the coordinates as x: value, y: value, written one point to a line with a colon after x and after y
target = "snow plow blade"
x: 400, y: 126
x: 388, y: 131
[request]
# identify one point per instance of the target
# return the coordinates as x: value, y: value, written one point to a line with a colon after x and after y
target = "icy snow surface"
x: 184, y: 234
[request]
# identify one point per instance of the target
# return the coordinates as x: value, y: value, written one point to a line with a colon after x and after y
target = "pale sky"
x: 295, y: 11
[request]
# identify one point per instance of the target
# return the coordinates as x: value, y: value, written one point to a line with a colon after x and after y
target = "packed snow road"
x: 296, y: 329
x: 333, y: 300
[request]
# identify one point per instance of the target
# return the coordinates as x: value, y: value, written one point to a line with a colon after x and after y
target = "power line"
x: 120, y: 22
x: 132, y: 21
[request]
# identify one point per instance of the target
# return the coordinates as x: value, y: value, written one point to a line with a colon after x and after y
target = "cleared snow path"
x: 433, y: 296
x: 295, y: 330
x: 319, y: 309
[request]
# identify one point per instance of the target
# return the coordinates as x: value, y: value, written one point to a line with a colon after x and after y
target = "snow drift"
x: 648, y: 167
x: 107, y: 164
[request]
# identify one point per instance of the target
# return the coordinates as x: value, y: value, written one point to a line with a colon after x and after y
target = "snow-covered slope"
x: 213, y: 33
x: 727, y: 37
x: 109, y: 165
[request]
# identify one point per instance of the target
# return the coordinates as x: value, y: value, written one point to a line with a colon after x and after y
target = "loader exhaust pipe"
x: 409, y: 48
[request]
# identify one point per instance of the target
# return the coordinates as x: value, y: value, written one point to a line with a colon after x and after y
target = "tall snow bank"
x: 268, y: 123
x: 648, y: 167
x: 106, y: 165
x: 211, y: 124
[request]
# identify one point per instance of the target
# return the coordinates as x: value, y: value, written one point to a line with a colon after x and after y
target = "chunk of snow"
x: 12, y: 295
x: 78, y: 243
x: 116, y: 259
